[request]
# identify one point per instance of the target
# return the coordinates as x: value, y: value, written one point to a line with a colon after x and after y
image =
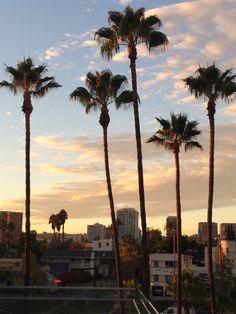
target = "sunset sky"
x: 67, y: 167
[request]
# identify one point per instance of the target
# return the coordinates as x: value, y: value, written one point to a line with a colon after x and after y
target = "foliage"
x: 154, y: 240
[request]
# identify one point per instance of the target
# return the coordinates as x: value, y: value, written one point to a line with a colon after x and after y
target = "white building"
x: 229, y: 250
x: 103, y: 245
x: 163, y: 269
x: 96, y: 231
x: 128, y: 218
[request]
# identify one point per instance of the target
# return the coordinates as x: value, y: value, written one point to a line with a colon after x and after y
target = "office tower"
x: 127, y: 223
x: 171, y: 225
x: 225, y: 228
x: 96, y: 232
x: 202, y: 231
x: 16, y: 219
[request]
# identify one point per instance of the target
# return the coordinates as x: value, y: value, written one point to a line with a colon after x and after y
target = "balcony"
x: 73, y: 300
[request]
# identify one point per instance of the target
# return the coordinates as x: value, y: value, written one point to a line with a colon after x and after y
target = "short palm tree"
x: 52, y: 222
x: 211, y: 84
x: 104, y: 88
x: 63, y: 215
x: 174, y: 133
x: 131, y: 28
x: 28, y: 79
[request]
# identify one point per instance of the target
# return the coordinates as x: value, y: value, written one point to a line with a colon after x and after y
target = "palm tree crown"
x: 102, y: 89
x: 212, y: 83
x: 30, y: 79
x: 176, y: 132
x: 130, y: 27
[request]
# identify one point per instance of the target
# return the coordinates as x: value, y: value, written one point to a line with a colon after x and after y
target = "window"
x: 155, y: 264
x: 169, y: 263
x: 155, y: 277
x: 169, y: 278
x: 99, y: 244
x: 107, y: 244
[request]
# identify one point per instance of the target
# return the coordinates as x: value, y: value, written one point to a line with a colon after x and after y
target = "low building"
x: 103, y: 245
x: 163, y: 269
x: 11, y: 264
x: 61, y: 261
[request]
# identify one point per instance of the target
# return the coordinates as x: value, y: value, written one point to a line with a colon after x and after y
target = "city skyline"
x: 67, y: 153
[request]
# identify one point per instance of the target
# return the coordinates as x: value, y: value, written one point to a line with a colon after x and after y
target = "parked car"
x: 173, y: 310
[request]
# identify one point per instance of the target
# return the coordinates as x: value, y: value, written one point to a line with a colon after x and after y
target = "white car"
x: 173, y: 310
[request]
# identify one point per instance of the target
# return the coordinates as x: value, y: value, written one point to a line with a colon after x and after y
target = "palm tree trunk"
x: 104, y: 121
x: 63, y: 234
x: 179, y: 233
x: 211, y: 113
x: 132, y: 51
x: 27, y: 200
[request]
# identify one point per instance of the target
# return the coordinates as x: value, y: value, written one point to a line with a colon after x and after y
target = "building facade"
x: 225, y: 228
x: 202, y: 232
x: 128, y: 223
x: 96, y: 232
x: 171, y: 226
x: 16, y: 219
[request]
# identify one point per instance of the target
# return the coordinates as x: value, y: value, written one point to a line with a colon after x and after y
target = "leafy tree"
x: 212, y: 84
x: 193, y: 290
x: 131, y: 28
x: 174, y: 133
x: 104, y: 88
x: 28, y: 79
x: 154, y: 239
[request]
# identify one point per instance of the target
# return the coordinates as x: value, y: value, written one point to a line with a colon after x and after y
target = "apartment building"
x: 96, y: 232
x: 202, y: 232
x: 128, y: 223
x: 16, y: 219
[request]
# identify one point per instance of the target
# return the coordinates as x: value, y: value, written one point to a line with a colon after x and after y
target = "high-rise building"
x: 128, y: 222
x: 96, y: 232
x: 171, y: 225
x: 202, y: 231
x: 225, y: 228
x: 16, y: 219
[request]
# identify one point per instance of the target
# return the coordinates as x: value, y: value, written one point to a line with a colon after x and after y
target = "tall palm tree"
x: 131, y: 28
x: 52, y: 222
x: 58, y: 224
x: 28, y: 79
x: 63, y: 215
x: 104, y: 88
x: 211, y: 84
x: 174, y: 133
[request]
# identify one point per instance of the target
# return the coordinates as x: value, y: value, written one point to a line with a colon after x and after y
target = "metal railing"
x: 73, y: 300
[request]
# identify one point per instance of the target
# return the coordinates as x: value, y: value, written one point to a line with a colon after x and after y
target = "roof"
x: 77, y: 253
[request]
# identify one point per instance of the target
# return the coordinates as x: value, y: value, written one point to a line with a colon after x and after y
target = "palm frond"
x: 10, y: 86
x: 124, y: 100
x: 157, y: 40
x: 81, y: 94
x: 192, y: 145
x: 42, y: 90
x: 115, y: 17
x: 118, y: 82
x: 153, y: 21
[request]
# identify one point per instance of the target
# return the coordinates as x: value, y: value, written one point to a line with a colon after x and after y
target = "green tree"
x: 131, y: 28
x: 104, y: 88
x: 193, y: 290
x: 174, y: 133
x: 28, y: 79
x: 154, y: 240
x: 63, y: 216
x: 212, y: 84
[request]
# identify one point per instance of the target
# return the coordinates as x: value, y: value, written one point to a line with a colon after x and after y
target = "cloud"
x: 125, y: 2
x: 52, y: 52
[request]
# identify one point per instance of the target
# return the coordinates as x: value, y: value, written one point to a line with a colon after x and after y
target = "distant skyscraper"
x: 171, y: 225
x: 16, y: 219
x: 202, y: 231
x: 128, y: 218
x: 96, y: 231
x: 224, y: 229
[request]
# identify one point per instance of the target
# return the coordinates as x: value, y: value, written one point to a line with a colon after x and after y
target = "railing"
x: 73, y: 300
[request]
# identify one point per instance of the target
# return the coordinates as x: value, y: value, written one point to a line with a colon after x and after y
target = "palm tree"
x: 104, y: 88
x: 63, y: 215
x: 131, y: 28
x: 28, y: 79
x: 172, y: 135
x: 211, y: 84
x: 58, y: 225
x: 52, y: 221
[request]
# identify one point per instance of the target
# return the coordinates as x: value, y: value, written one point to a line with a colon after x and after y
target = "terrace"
x: 73, y: 300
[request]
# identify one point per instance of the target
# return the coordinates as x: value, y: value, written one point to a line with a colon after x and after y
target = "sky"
x: 67, y: 167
